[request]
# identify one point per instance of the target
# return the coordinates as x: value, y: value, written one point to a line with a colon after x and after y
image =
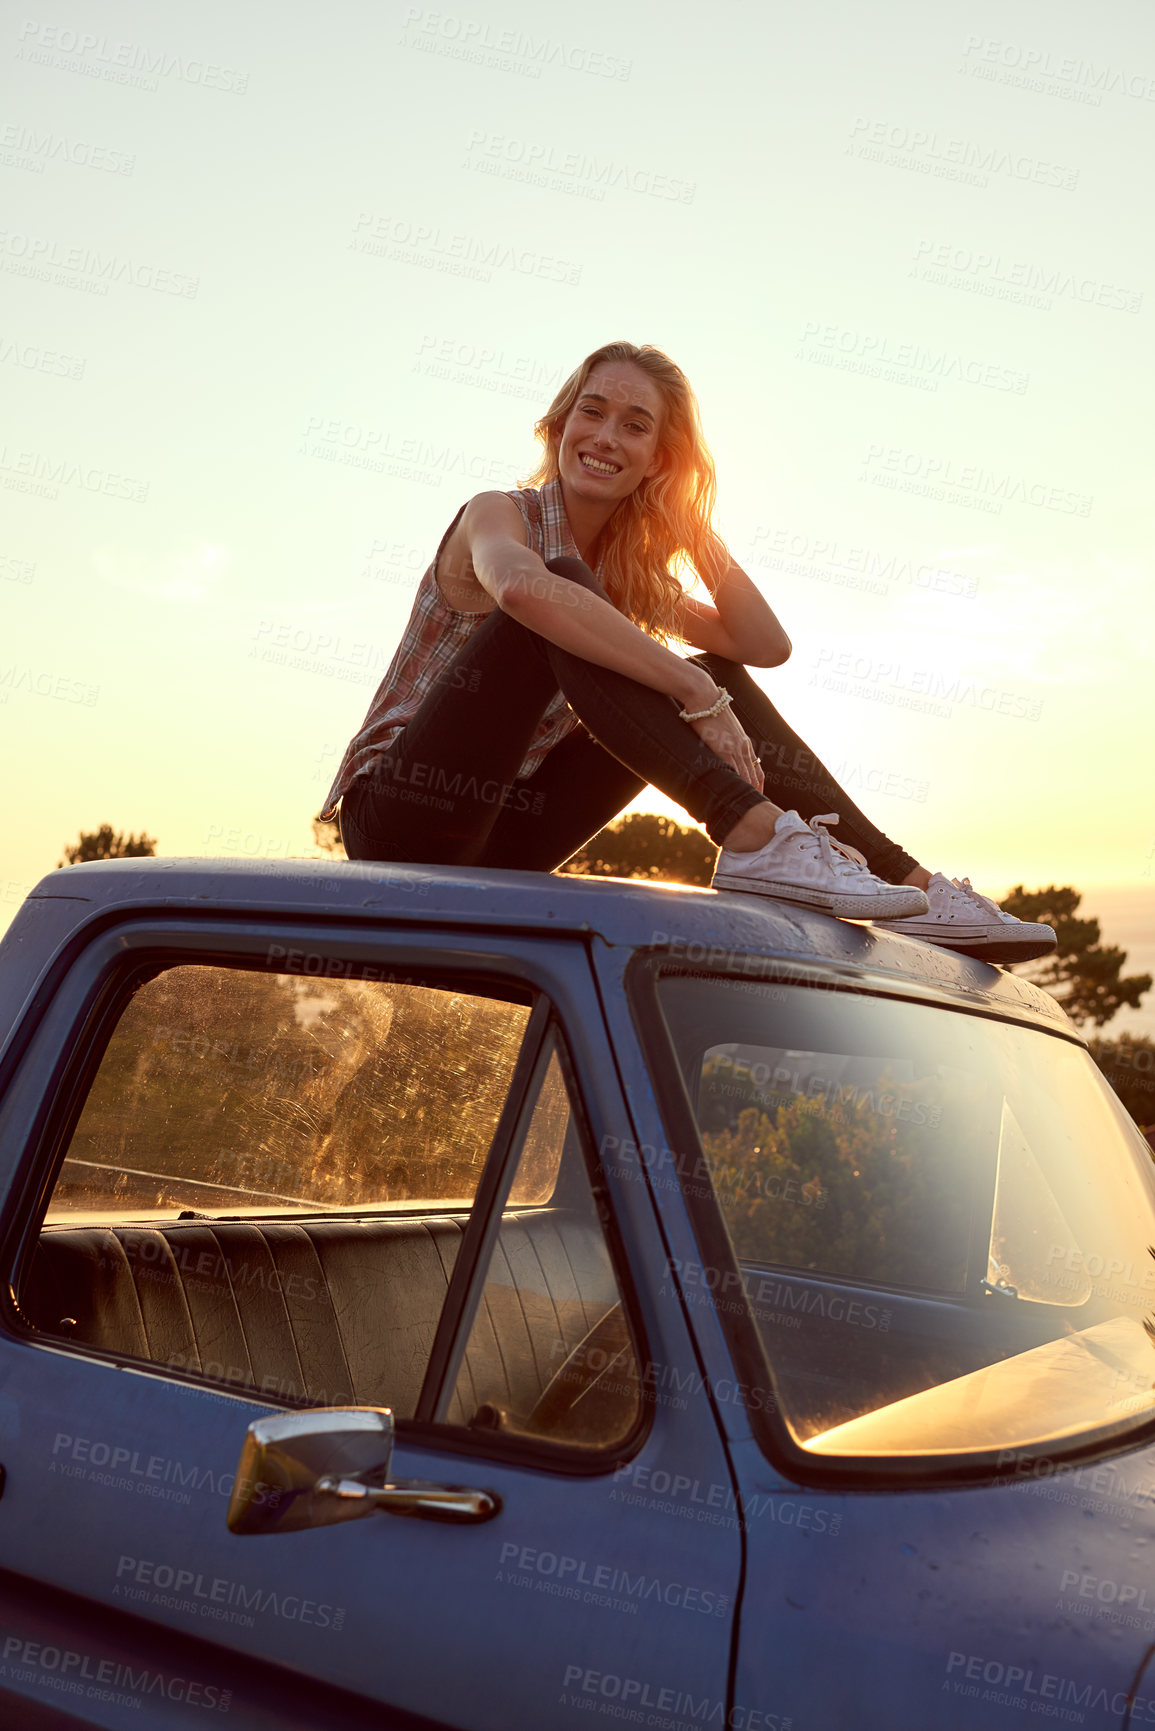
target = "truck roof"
x: 702, y: 926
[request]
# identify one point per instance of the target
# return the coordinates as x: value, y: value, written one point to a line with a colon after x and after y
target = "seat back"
x: 330, y: 1312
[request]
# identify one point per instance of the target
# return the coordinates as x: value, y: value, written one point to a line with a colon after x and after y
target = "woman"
x: 532, y: 697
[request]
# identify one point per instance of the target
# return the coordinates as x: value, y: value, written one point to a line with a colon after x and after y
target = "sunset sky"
x: 283, y: 287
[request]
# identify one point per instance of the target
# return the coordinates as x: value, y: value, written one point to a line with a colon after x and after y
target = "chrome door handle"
x: 414, y: 1497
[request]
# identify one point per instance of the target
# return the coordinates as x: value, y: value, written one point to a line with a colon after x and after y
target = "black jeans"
x: 446, y: 791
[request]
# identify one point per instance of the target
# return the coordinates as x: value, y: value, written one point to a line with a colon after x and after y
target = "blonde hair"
x: 665, y: 524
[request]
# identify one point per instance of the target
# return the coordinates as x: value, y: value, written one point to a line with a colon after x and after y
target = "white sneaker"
x: 959, y: 918
x: 802, y: 863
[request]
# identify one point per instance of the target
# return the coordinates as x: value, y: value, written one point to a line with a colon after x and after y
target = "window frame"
x: 75, y: 1024
x: 751, y: 1358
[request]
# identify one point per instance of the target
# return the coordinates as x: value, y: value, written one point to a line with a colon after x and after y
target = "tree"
x: 103, y: 844
x: 1083, y: 974
x: 643, y: 845
x: 327, y: 836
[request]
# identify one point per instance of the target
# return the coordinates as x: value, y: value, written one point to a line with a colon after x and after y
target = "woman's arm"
x: 490, y: 539
x: 739, y: 627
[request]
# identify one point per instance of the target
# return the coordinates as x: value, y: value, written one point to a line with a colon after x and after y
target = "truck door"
x: 252, y: 1171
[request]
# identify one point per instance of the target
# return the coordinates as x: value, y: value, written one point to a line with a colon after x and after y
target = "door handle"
x: 414, y: 1497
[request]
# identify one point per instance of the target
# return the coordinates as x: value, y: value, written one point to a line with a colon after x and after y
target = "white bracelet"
x: 701, y: 714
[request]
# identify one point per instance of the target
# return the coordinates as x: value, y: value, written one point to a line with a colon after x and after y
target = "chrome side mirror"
x: 331, y: 1464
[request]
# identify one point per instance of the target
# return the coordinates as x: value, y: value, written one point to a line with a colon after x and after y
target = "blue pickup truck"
x: 511, y: 1302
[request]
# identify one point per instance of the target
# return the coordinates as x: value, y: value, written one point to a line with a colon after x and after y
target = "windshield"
x: 943, y: 1222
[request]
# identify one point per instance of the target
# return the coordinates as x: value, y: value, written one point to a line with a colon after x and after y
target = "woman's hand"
x: 727, y: 740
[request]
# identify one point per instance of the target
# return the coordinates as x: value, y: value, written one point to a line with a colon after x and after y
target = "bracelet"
x: 701, y: 714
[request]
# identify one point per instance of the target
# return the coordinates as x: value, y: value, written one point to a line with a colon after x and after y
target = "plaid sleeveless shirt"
x: 433, y: 635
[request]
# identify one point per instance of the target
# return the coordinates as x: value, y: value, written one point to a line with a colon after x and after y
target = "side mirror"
x: 331, y: 1464
x: 285, y: 1457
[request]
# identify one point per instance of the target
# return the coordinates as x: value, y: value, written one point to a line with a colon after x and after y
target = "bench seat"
x: 330, y: 1312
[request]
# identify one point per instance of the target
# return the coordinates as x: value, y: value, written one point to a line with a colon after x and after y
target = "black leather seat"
x: 330, y: 1311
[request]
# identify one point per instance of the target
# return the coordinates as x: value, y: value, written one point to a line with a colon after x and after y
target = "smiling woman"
x: 534, y: 693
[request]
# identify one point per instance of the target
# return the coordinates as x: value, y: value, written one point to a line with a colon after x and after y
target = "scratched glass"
x: 223, y: 1089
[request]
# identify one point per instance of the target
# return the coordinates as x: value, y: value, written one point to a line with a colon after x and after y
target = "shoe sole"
x: 985, y: 949
x: 872, y: 907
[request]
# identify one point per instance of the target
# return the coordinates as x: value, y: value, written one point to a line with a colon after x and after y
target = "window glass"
x: 269, y: 1182
x: 836, y: 1160
x: 549, y: 1354
x: 228, y: 1090
x: 943, y: 1222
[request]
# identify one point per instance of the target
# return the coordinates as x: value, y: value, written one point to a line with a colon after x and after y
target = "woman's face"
x: 610, y: 442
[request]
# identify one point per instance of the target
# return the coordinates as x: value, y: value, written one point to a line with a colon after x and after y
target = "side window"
x: 270, y: 1181
x: 224, y: 1090
x: 549, y: 1353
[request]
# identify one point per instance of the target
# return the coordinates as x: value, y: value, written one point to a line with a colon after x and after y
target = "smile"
x: 597, y: 467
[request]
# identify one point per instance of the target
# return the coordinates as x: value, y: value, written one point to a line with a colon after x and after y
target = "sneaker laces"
x: 966, y: 888
x: 852, y: 861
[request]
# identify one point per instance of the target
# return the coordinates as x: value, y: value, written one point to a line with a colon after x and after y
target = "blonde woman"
x: 534, y: 693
